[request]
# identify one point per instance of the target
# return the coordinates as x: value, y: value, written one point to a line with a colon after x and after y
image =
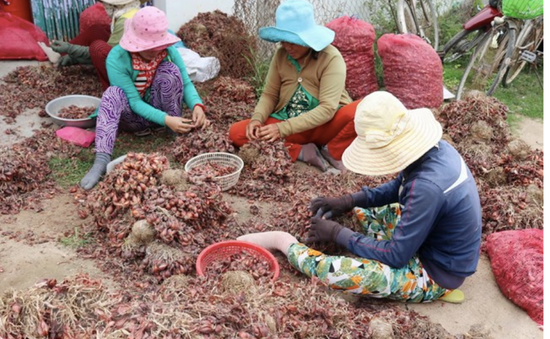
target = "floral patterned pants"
x: 371, y: 278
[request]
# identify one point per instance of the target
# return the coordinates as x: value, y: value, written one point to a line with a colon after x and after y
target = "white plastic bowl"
x: 53, y: 107
x: 112, y: 164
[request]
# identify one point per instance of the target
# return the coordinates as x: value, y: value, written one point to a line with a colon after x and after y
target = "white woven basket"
x: 220, y: 158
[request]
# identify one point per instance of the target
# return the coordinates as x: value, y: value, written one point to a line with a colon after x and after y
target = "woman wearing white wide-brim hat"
x: 422, y: 229
x: 304, y: 101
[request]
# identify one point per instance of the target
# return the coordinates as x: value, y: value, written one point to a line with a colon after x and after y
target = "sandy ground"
x: 30, y: 250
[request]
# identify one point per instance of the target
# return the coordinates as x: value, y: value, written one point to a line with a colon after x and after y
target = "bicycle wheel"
x: 477, y: 56
x: 462, y: 43
x: 418, y: 17
x: 502, y: 59
x: 489, y: 62
x: 529, y: 39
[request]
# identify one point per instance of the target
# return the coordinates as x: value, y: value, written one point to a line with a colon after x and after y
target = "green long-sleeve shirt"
x: 118, y: 27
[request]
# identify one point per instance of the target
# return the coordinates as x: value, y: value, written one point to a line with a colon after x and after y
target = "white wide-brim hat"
x: 389, y: 137
x: 295, y: 23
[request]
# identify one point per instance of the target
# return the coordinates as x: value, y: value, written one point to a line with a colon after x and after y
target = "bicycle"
x: 471, y: 34
x: 418, y: 17
x: 497, y: 56
x: 491, y: 57
x: 526, y: 49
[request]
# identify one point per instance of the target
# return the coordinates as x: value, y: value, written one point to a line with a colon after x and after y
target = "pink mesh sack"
x: 517, y: 261
x: 19, y: 39
x: 355, y: 39
x: 412, y: 70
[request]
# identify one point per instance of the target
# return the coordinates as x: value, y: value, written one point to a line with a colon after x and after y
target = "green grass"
x: 260, y: 69
x: 76, y: 240
x: 69, y: 171
x: 523, y: 97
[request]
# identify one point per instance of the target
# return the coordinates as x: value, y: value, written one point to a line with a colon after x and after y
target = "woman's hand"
x: 199, y: 118
x: 252, y: 129
x: 179, y: 125
x: 269, y: 133
x: 60, y: 46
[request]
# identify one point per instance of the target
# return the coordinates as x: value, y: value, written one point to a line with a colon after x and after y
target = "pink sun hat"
x: 147, y: 29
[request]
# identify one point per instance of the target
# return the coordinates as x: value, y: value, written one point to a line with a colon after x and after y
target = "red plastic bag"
x: 412, y: 70
x: 355, y: 39
x: 76, y: 135
x: 517, y: 261
x: 19, y: 39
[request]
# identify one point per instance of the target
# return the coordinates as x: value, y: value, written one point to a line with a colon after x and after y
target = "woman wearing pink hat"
x: 149, y: 84
x: 304, y: 101
x: 421, y: 231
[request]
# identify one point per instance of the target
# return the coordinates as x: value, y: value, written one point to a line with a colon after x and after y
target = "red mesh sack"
x: 93, y: 15
x: 355, y: 39
x: 19, y: 39
x: 517, y: 263
x: 412, y: 70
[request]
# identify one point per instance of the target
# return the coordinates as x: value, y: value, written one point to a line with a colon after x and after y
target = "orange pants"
x: 337, y: 134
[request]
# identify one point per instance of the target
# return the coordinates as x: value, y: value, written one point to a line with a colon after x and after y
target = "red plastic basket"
x: 227, y: 248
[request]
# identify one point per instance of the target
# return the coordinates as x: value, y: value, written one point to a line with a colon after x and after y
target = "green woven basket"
x: 523, y: 9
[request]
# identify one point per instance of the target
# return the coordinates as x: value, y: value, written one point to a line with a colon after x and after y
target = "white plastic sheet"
x: 200, y: 69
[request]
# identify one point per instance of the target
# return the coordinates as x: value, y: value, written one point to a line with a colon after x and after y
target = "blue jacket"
x: 121, y: 74
x: 440, y: 218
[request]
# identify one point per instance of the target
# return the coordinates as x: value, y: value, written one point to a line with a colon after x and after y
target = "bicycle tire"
x: 489, y: 63
x: 529, y: 34
x: 423, y: 23
x: 479, y: 51
x: 462, y: 43
x: 505, y: 51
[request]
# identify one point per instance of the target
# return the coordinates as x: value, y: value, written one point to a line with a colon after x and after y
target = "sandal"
x: 143, y: 133
x: 455, y: 297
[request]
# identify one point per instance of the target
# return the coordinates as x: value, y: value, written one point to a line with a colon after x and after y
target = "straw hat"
x: 389, y: 137
x: 147, y: 29
x: 294, y: 23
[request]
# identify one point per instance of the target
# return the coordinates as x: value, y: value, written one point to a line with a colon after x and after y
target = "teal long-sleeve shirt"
x: 121, y: 74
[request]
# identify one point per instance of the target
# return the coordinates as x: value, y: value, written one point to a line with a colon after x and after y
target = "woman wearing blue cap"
x: 304, y: 100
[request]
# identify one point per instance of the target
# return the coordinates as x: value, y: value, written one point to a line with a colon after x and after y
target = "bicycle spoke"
x: 528, y: 41
x: 462, y: 43
x: 419, y: 17
x: 477, y: 55
x: 488, y: 77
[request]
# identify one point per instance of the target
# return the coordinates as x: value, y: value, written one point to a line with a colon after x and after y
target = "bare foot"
x: 311, y: 155
x: 335, y: 163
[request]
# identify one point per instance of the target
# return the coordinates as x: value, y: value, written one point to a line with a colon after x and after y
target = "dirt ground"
x: 31, y: 250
